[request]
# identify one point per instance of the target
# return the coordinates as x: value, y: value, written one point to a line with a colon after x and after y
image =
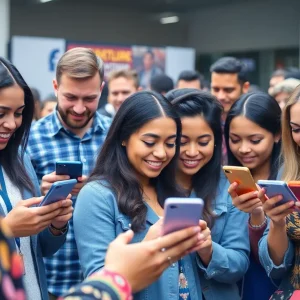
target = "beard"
x: 73, y: 124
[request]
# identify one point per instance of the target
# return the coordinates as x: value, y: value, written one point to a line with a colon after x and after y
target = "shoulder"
x: 103, y: 120
x: 41, y: 124
x: 99, y: 191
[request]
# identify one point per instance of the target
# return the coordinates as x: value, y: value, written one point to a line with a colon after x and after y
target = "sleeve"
x: 94, y: 226
x: 255, y: 235
x: 106, y: 284
x: 230, y: 257
x: 49, y: 243
x: 273, y: 271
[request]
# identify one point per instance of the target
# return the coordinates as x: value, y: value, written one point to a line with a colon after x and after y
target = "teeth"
x: 191, y: 162
x: 5, y: 136
x: 154, y: 164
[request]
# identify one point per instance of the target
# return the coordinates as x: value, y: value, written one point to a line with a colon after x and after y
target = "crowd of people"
x: 143, y: 146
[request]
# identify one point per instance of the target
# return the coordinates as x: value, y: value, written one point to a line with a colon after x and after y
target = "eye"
x: 203, y: 144
x: 234, y: 141
x: 183, y: 143
x: 255, y: 142
x: 148, y: 144
x: 18, y: 115
x: 296, y: 130
x: 1, y: 115
x: 169, y: 145
x: 228, y: 90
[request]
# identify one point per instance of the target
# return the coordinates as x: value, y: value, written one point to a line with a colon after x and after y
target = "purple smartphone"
x: 181, y: 213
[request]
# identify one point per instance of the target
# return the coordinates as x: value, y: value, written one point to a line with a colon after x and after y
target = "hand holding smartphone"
x: 242, y: 176
x: 58, y: 191
x: 181, y: 213
x: 275, y: 187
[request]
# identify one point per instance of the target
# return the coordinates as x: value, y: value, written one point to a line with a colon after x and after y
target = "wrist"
x: 258, y: 223
x: 58, y: 229
x: 205, y: 256
x: 116, y: 278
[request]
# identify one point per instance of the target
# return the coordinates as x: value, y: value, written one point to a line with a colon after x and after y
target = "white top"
x: 30, y: 279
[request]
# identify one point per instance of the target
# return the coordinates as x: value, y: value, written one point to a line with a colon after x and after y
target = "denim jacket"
x: 43, y: 244
x: 98, y: 221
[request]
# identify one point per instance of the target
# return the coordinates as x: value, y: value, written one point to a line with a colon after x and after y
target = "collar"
x: 55, y: 125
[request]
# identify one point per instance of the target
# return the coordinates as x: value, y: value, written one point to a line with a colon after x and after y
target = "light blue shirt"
x: 98, y: 221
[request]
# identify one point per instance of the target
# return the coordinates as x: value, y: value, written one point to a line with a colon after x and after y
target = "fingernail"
x: 200, y: 236
x: 196, y: 229
x: 255, y: 193
x: 297, y: 203
x: 292, y: 203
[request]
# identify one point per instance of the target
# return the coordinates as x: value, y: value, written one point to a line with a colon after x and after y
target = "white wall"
x: 250, y: 25
x: 92, y: 22
x: 4, y: 26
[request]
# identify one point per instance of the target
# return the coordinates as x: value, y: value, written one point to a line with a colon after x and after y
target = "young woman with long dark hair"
x: 38, y: 231
x: 253, y: 138
x: 134, y: 174
x: 199, y: 174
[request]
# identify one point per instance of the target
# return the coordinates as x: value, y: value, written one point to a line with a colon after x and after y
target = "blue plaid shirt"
x: 49, y: 142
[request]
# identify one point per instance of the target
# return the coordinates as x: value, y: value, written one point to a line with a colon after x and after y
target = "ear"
x: 246, y: 87
x: 55, y: 86
x: 277, y: 137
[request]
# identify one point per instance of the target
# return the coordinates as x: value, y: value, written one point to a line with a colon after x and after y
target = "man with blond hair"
x: 75, y: 131
x: 121, y: 84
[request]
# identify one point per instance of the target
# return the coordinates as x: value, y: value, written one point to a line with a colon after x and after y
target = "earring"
x: 123, y: 144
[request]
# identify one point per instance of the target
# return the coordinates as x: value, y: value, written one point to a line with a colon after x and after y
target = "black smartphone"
x: 71, y: 168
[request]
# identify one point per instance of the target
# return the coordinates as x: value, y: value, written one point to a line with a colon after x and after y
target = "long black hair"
x: 263, y: 110
x: 114, y: 167
x: 11, y: 157
x: 191, y: 103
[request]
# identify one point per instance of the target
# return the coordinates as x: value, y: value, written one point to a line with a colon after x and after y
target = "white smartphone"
x: 180, y: 213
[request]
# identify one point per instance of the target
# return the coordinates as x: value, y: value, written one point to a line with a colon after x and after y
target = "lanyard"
x: 4, y: 195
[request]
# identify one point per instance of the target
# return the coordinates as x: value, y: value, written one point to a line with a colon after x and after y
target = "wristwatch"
x: 59, y: 230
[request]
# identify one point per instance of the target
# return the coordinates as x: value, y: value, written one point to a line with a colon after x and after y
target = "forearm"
x: 257, y: 219
x: 277, y: 243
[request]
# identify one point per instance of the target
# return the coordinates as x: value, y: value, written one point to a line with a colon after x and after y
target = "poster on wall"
x: 114, y: 57
x: 148, y: 62
x: 36, y: 59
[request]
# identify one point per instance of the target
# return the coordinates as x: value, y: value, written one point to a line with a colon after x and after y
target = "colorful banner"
x: 114, y: 57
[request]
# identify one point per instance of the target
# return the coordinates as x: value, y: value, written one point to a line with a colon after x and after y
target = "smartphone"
x: 295, y: 188
x: 243, y: 177
x: 71, y: 168
x: 58, y: 191
x: 276, y: 187
x: 180, y: 213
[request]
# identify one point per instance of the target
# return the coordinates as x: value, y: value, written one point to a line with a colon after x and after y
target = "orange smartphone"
x: 295, y: 188
x: 242, y: 176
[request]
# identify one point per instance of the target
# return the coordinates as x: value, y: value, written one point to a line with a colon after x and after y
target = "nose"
x: 79, y: 108
x: 244, y: 148
x: 10, y: 123
x: 160, y: 152
x: 192, y: 150
x: 221, y: 95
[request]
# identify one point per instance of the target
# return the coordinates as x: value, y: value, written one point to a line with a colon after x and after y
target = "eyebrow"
x: 251, y: 135
x: 9, y: 108
x: 155, y: 136
x: 295, y: 124
x: 199, y: 137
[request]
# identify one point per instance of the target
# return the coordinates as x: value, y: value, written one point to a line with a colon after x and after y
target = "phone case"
x: 58, y: 191
x: 276, y: 187
x: 180, y: 213
x: 71, y: 168
x: 295, y: 188
x: 242, y: 176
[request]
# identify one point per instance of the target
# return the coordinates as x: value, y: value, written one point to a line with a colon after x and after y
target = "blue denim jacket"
x: 97, y: 221
x: 43, y: 244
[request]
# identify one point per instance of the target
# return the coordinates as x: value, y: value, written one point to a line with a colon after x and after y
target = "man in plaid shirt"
x: 73, y: 132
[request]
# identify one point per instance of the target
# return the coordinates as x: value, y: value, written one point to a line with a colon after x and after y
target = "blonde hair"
x: 290, y: 152
x: 79, y: 63
x: 128, y: 74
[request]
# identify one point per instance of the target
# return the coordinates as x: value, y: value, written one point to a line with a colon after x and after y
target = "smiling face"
x: 77, y: 101
x: 11, y: 108
x: 151, y: 148
x: 295, y: 122
x: 196, y: 146
x: 251, y: 144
